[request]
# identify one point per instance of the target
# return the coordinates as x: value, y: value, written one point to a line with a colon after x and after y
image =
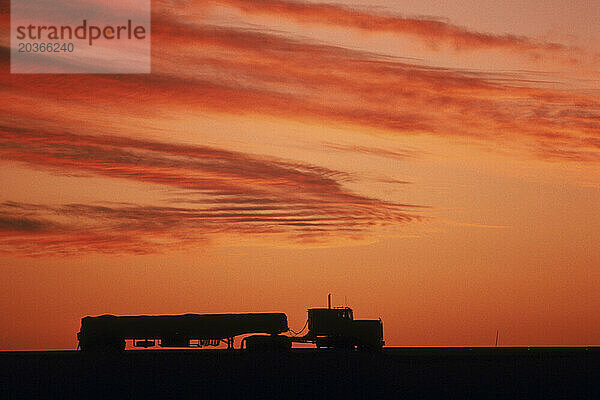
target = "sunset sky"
x: 435, y: 164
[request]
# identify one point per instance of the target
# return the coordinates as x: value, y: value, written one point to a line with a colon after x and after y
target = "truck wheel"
x: 271, y: 343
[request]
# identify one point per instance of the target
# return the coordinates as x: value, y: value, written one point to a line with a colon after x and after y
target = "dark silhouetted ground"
x: 444, y: 373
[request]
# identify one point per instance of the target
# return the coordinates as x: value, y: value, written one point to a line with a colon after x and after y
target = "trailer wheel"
x: 105, y: 345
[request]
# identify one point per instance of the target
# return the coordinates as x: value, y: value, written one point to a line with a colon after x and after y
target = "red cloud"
x: 225, y: 192
x: 212, y: 69
x: 427, y: 29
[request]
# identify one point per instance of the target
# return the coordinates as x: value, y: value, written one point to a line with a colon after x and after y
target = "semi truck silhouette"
x: 331, y: 327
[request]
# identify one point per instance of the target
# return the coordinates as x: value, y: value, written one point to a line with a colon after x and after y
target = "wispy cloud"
x: 432, y: 31
x: 201, y: 69
x: 372, y: 151
x: 23, y: 225
x: 220, y: 192
x: 240, y: 71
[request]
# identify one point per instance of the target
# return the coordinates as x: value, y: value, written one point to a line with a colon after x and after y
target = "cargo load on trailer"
x: 189, y: 330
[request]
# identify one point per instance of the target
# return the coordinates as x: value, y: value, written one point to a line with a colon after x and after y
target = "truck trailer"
x: 109, y: 332
x: 331, y: 327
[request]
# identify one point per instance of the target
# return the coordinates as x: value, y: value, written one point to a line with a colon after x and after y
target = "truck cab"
x: 336, y: 328
x: 329, y: 321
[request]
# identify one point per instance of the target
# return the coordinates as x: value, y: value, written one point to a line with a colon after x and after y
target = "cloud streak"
x: 201, y: 69
x: 247, y: 72
x: 225, y: 192
x: 432, y: 31
x: 372, y: 151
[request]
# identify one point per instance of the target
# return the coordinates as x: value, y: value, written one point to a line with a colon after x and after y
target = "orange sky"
x: 438, y: 167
